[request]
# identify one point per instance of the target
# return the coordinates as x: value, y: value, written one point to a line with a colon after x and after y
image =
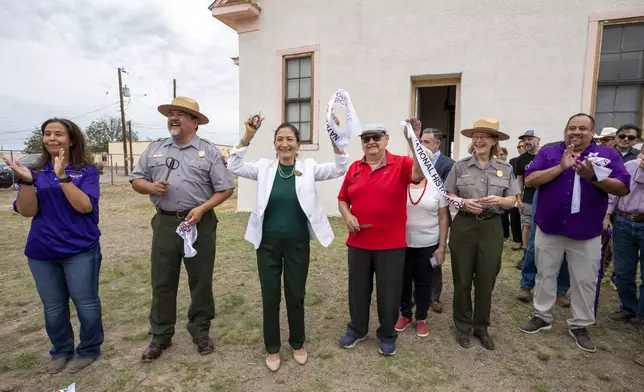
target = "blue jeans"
x: 628, y: 241
x: 529, y: 270
x: 57, y: 281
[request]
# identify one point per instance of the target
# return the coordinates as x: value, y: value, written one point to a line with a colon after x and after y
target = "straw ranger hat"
x: 184, y: 104
x: 487, y: 125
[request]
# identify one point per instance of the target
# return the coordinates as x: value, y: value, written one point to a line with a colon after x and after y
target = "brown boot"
x: 524, y: 294
x: 154, y: 351
x: 204, y: 345
x: 486, y: 340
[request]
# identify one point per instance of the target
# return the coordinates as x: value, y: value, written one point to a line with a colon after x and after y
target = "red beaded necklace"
x: 421, y: 195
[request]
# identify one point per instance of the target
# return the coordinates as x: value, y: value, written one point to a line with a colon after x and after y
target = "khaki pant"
x: 583, y: 264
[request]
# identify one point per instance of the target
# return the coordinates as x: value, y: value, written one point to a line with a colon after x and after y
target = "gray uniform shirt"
x: 470, y: 181
x: 200, y: 174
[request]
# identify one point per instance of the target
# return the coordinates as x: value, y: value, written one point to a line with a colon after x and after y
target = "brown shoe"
x: 154, y: 351
x: 204, y: 345
x: 463, y: 339
x: 620, y: 315
x: 437, y: 307
x: 639, y: 358
x: 56, y: 365
x: 486, y: 340
x: 79, y: 364
x: 524, y: 295
x: 563, y: 300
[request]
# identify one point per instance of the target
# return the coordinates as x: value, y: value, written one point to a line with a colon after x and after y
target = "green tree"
x: 103, y: 131
x: 33, y: 144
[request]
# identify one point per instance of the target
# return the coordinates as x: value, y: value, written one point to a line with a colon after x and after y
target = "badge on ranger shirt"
x: 201, y: 154
x: 499, y: 173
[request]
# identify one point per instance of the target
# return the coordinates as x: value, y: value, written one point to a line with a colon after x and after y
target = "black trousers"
x: 419, y: 271
x: 388, y: 265
x: 515, y: 225
x: 505, y: 220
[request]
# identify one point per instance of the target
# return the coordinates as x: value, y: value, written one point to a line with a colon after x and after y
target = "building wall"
x: 520, y: 61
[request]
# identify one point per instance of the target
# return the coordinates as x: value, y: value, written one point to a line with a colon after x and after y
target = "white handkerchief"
x: 189, y: 234
x: 601, y: 171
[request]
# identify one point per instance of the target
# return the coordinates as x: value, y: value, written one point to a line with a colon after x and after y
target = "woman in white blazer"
x: 286, y: 216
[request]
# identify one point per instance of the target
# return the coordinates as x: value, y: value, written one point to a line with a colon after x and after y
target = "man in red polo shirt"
x: 373, y: 202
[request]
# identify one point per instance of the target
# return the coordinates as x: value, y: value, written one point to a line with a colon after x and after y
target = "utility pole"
x: 123, y: 129
x: 174, y: 88
x: 129, y: 134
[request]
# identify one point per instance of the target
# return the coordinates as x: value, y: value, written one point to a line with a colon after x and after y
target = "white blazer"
x: 264, y: 170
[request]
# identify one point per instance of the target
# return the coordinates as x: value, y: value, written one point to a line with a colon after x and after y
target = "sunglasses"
x: 630, y: 137
x: 375, y: 138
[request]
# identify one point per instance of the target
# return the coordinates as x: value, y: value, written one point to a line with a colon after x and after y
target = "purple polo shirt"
x: 555, y: 198
x: 58, y: 231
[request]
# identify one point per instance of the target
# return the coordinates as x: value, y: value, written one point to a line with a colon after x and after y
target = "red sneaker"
x: 402, y: 324
x: 421, y: 328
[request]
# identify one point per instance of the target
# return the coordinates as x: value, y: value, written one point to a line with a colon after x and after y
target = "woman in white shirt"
x: 286, y: 216
x: 427, y: 225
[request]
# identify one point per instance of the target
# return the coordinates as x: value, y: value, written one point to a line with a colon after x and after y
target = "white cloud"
x: 60, y: 58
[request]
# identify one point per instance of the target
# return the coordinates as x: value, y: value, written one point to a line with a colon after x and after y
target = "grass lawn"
x: 547, y: 361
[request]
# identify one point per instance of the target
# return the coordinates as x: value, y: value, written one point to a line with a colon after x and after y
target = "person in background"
x: 373, y: 203
x: 577, y: 234
x: 514, y: 213
x: 431, y: 139
x: 199, y: 183
x: 427, y: 226
x: 286, y: 216
x: 505, y: 217
x: 628, y: 240
x: 628, y: 135
x: 487, y: 187
x: 607, y: 137
x: 61, y: 193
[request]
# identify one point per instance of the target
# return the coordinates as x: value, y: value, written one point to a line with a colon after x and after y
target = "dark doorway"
x: 436, y: 108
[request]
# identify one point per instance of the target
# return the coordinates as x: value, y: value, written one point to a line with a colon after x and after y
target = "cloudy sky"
x: 60, y: 58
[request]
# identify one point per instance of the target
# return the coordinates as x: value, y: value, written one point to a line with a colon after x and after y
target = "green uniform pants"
x: 475, y: 247
x: 167, y: 252
x: 291, y: 256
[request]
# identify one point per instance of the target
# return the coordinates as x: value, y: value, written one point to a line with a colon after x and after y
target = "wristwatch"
x: 65, y: 180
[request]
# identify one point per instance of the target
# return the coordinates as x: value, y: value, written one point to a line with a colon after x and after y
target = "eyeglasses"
x: 630, y: 137
x: 375, y: 138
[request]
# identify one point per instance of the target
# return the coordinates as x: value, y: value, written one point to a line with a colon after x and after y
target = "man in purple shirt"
x: 563, y: 229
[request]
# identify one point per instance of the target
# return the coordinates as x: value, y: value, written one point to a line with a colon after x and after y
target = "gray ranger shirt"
x: 200, y: 174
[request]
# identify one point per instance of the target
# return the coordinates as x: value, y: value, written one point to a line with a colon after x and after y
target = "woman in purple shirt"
x: 61, y: 193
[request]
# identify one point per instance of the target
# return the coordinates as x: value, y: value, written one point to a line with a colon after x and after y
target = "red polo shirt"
x: 378, y: 198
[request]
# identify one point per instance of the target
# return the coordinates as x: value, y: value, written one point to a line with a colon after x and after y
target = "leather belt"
x: 176, y: 214
x: 633, y: 217
x: 486, y: 214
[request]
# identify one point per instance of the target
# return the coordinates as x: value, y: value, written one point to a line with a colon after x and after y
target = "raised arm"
x: 236, y: 164
x: 26, y: 203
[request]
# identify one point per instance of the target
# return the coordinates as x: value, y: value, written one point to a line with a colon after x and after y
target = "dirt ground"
x: 547, y: 361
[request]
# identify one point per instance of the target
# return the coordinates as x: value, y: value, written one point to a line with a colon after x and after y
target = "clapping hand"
x: 19, y: 169
x: 60, y: 164
x: 569, y: 158
x: 584, y: 169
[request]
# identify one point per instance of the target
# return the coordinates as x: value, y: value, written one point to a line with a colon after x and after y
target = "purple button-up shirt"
x: 58, y: 231
x: 633, y: 203
x: 555, y: 198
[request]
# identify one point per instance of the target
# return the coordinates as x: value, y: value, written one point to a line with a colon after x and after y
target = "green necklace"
x: 282, y: 174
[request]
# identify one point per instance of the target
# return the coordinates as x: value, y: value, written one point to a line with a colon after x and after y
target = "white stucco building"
x: 530, y: 64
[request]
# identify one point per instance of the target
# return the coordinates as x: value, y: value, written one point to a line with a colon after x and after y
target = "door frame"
x: 440, y: 81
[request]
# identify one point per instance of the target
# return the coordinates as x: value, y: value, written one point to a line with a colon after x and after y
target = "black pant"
x: 515, y: 225
x: 291, y: 256
x: 418, y: 270
x: 505, y: 220
x: 389, y: 266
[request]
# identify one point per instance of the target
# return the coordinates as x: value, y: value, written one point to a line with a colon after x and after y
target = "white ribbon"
x: 428, y: 168
x: 601, y: 171
x: 341, y: 136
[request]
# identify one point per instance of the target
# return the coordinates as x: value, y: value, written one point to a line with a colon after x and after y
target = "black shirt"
x: 523, y: 162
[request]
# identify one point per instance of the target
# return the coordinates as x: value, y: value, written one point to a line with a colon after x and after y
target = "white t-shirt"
x: 422, y: 219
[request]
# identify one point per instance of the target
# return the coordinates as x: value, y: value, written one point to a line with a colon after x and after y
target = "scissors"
x: 171, y: 164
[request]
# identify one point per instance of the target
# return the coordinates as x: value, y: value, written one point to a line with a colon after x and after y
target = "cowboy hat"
x: 487, y: 125
x: 607, y: 132
x: 184, y: 104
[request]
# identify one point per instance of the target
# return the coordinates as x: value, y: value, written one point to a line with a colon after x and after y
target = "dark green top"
x: 284, y: 217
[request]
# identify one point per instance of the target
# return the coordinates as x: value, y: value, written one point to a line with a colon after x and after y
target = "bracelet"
x: 444, y: 246
x: 20, y: 181
x: 243, y: 142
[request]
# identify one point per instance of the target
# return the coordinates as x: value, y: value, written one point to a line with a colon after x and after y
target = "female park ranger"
x: 287, y: 214
x: 487, y: 186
